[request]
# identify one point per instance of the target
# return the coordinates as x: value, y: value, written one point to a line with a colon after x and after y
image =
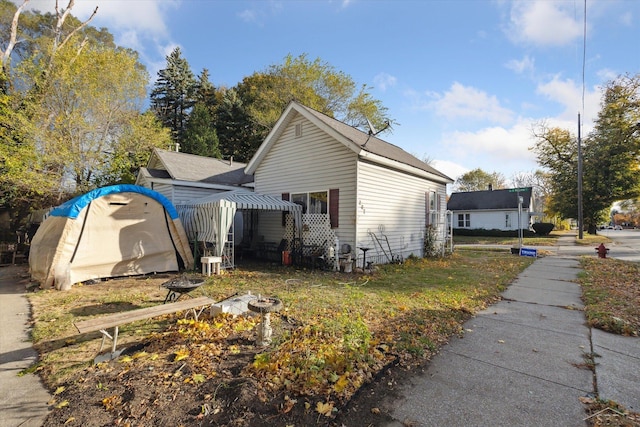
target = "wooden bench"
x: 115, y: 320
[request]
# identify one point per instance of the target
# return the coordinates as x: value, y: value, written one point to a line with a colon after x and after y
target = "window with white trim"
x: 433, y: 208
x: 464, y: 220
x: 507, y: 221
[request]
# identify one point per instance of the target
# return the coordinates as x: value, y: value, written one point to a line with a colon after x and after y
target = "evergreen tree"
x: 235, y: 131
x: 200, y: 137
x: 173, y: 93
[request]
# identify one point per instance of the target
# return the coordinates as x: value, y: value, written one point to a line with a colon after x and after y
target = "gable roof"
x: 489, y: 200
x: 193, y: 168
x: 365, y: 145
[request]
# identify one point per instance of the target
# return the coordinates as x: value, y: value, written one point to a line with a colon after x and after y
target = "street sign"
x: 518, y: 190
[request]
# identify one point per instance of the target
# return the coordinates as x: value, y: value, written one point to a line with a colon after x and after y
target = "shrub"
x: 542, y: 228
x: 431, y: 247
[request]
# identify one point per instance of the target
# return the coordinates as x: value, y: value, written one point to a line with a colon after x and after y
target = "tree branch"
x: 84, y: 24
x: 14, y: 34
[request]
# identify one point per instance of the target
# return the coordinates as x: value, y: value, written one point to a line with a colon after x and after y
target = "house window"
x: 300, y: 199
x: 313, y: 203
x: 433, y: 208
x: 464, y: 220
x: 507, y: 221
x: 318, y: 202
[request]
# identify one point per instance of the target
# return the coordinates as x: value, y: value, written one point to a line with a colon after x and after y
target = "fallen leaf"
x: 181, y: 354
x: 324, y: 408
x: 198, y: 378
x: 58, y: 390
x: 62, y: 404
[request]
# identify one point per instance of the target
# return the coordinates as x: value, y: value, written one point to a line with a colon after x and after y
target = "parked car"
x: 618, y: 227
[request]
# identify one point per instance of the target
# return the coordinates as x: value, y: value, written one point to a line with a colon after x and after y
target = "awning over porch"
x: 210, y: 218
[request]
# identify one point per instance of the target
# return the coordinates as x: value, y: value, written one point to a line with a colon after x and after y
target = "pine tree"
x: 200, y: 137
x: 172, y: 97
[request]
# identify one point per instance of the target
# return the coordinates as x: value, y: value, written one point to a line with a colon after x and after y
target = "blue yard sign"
x: 528, y: 252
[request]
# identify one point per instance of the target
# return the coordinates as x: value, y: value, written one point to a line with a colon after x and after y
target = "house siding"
x: 179, y: 194
x: 493, y: 220
x: 311, y: 162
x: 391, y: 204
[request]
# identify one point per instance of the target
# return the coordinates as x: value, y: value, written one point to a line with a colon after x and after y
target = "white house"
x: 492, y: 209
x: 372, y: 194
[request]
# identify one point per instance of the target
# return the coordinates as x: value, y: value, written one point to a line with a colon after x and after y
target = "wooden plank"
x: 117, y: 319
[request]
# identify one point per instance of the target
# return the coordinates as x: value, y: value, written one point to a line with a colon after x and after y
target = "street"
x: 625, y: 246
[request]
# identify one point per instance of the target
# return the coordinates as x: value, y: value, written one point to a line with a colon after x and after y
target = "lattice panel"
x: 316, y: 231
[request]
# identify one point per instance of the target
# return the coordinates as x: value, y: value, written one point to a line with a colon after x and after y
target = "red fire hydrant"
x: 602, y: 251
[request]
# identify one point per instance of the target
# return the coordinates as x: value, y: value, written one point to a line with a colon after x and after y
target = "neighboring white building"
x: 492, y: 209
x: 374, y: 194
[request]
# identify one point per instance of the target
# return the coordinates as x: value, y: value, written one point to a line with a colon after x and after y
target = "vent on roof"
x: 298, y: 130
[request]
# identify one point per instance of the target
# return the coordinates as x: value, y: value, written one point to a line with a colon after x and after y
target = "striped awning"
x: 210, y: 218
x: 248, y: 200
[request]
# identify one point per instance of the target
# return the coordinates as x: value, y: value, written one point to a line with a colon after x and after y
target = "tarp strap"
x: 84, y: 222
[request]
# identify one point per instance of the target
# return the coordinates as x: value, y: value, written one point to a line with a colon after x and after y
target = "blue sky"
x: 465, y: 79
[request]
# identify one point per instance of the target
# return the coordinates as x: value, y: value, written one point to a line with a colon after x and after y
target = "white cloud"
x: 525, y: 65
x: 569, y: 94
x: 451, y: 169
x: 139, y: 25
x: 383, y: 81
x: 118, y: 15
x: 544, y: 22
x: 468, y: 102
x: 501, y: 144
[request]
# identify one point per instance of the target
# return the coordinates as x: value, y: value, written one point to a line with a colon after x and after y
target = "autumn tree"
x: 478, y: 180
x: 611, y: 153
x: 314, y: 83
x: 72, y: 100
x: 133, y: 148
x: 540, y: 182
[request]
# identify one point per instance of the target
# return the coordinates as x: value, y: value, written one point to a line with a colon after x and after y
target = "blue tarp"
x: 73, y: 207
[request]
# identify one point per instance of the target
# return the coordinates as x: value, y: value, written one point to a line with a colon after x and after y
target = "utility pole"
x: 580, y: 219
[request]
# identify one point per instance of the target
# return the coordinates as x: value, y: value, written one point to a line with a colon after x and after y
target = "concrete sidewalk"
x: 23, y: 399
x: 523, y: 361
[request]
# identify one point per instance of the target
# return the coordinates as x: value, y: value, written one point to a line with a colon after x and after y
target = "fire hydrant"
x: 602, y: 251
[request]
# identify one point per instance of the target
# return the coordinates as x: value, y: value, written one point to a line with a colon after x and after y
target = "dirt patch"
x: 147, y: 386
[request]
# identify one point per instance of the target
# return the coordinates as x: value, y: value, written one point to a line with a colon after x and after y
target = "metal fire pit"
x: 264, y: 306
x: 180, y: 286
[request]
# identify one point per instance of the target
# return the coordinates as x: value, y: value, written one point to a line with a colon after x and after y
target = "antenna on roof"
x: 373, y: 131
